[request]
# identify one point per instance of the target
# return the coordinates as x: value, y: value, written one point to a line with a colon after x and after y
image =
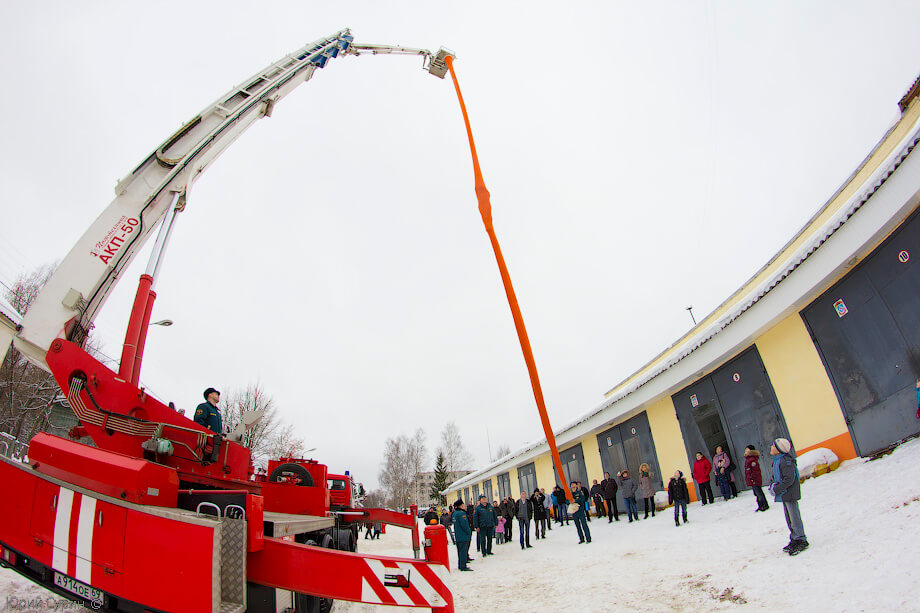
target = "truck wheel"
x: 325, y: 604
x: 346, y: 541
x: 290, y: 470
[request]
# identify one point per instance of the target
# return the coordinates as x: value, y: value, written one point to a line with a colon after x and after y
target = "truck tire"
x: 292, y: 470
x: 345, y: 540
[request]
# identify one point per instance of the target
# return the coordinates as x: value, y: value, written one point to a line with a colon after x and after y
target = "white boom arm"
x: 68, y: 304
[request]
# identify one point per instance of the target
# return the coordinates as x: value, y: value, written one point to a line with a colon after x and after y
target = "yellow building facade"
x: 821, y: 346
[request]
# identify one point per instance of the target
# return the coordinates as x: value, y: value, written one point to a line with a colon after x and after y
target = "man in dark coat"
x: 597, y: 495
x: 539, y: 514
x: 464, y: 535
x: 484, y: 522
x: 207, y: 414
x: 609, y: 489
x: 508, y: 514
x: 431, y: 516
x: 523, y: 511
x: 786, y: 490
x: 581, y: 524
x: 447, y: 522
x: 584, y: 490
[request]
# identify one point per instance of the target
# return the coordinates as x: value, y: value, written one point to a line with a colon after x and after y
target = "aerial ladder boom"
x: 158, y: 189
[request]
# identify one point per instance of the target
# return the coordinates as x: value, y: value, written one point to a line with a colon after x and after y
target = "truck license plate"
x: 80, y: 589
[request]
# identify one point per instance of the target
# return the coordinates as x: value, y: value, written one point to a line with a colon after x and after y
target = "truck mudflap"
x: 341, y: 575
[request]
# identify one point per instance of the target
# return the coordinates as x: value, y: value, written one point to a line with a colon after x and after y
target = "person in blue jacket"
x: 463, y: 534
x: 786, y: 489
x: 207, y: 414
x: 484, y: 521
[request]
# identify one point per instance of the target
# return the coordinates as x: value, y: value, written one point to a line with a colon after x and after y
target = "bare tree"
x: 285, y: 443
x: 403, y: 459
x: 418, y: 460
x: 270, y: 437
x: 456, y: 457
x: 396, y: 471
x: 375, y: 499
x: 502, y: 451
x: 26, y: 391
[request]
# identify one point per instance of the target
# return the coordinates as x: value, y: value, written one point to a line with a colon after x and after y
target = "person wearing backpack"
x: 786, y: 489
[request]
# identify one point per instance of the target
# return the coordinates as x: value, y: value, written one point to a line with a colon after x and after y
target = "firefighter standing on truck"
x: 207, y: 414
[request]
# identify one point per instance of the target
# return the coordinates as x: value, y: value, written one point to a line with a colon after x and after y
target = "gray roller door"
x: 733, y: 407
x: 504, y: 485
x: 867, y: 330
x: 573, y: 465
x: 527, y: 479
x: 625, y: 447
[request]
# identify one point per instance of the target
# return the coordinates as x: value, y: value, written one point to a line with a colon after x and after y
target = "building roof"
x: 8, y: 314
x: 888, y: 155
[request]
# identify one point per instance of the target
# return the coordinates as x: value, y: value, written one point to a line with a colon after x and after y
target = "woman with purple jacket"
x: 721, y: 462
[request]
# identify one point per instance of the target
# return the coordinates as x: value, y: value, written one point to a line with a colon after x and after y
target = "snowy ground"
x: 861, y: 521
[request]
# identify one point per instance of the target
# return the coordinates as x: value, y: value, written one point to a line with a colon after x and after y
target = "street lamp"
x: 163, y: 322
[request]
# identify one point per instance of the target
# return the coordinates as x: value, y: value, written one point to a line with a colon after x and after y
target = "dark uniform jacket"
x: 208, y: 416
x: 462, y: 530
x: 578, y: 496
x: 484, y: 516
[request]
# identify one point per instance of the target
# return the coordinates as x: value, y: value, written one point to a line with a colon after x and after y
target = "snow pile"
x: 863, y: 555
x: 820, y: 460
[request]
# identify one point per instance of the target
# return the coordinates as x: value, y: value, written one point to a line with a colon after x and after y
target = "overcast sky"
x: 642, y: 157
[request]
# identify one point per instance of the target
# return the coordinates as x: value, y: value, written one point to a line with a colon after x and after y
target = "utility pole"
x: 690, y: 309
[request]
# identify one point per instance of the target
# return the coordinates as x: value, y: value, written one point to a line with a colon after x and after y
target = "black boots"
x: 796, y: 547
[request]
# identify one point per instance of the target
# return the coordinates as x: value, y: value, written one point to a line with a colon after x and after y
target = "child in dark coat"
x: 753, y: 477
x: 786, y: 490
x: 678, y: 495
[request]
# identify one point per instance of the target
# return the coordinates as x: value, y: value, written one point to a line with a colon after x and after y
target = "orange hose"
x: 485, y: 209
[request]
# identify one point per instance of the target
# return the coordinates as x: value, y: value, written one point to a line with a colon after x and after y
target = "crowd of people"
x: 487, y: 524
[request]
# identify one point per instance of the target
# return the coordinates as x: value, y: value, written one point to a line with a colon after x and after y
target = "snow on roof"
x: 681, y: 350
x: 9, y: 313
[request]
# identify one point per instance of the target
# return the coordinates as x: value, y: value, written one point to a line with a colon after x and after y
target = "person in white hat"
x: 786, y: 489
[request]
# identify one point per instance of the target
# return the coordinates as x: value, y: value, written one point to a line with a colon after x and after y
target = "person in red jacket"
x: 701, y: 471
x: 753, y: 477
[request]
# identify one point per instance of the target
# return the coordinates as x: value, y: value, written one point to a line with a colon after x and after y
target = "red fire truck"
x: 162, y: 514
